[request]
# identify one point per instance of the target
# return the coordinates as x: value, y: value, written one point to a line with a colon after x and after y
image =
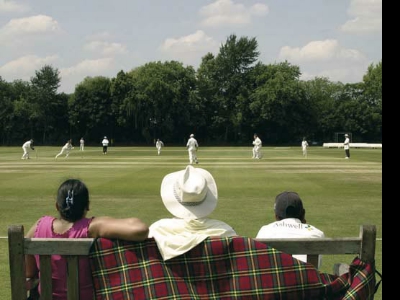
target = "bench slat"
x: 73, y: 277
x: 316, y: 246
x: 49, y: 246
x: 45, y: 277
x: 17, y: 262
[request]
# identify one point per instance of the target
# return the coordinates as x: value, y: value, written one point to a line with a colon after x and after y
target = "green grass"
x: 339, y: 195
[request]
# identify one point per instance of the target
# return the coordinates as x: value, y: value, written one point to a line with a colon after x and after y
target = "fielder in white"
x: 192, y: 147
x: 304, y: 146
x: 346, y: 146
x: 66, y: 149
x: 26, y: 147
x: 159, y: 145
x: 257, y: 145
x: 82, y: 144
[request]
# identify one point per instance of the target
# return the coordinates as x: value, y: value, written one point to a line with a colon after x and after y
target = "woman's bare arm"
x: 131, y: 229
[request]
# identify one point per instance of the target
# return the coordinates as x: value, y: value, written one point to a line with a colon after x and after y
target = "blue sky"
x: 337, y: 39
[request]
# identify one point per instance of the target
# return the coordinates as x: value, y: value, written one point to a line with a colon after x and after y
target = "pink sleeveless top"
x: 44, y: 229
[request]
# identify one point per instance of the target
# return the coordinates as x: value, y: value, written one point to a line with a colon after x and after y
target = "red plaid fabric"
x: 218, y: 268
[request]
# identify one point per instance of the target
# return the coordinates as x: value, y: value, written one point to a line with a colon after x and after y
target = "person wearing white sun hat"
x: 190, y: 195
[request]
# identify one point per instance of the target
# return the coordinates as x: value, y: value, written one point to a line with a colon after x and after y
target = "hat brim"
x: 189, y: 212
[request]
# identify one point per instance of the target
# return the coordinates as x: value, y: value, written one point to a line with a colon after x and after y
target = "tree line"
x: 228, y: 98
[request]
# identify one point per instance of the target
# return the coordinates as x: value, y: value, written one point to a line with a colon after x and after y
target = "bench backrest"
x: 363, y: 246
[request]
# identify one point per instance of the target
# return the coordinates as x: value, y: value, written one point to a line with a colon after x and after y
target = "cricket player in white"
x: 304, y: 146
x: 257, y: 145
x: 26, y: 147
x: 192, y: 146
x: 82, y: 144
x: 159, y: 145
x: 66, y: 149
x: 346, y: 146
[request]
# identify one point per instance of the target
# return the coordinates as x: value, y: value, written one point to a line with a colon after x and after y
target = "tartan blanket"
x: 218, y: 268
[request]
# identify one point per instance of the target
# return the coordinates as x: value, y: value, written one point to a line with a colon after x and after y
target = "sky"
x: 337, y: 39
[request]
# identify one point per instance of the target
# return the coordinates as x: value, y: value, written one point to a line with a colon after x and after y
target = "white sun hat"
x: 190, y: 193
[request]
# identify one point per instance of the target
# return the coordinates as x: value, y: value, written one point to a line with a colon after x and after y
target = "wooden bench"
x: 362, y: 246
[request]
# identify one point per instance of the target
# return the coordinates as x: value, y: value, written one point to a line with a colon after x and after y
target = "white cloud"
x: 72, y: 76
x: 339, y: 73
x: 26, y: 31
x: 198, y: 42
x: 94, y: 67
x: 7, y: 6
x: 106, y: 48
x: 259, y: 9
x: 24, y: 67
x: 31, y: 25
x: 317, y: 51
x: 327, y: 59
x: 187, y: 48
x: 366, y: 17
x: 225, y: 12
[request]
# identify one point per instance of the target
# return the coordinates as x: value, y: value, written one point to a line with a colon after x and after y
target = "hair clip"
x: 70, y: 198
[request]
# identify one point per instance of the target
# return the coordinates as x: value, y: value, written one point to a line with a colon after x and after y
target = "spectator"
x: 27, y: 147
x: 192, y: 145
x: 290, y: 222
x: 191, y: 196
x: 72, y: 204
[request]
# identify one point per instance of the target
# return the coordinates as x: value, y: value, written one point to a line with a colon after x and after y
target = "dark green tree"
x: 226, y: 83
x: 323, y: 96
x: 21, y: 121
x: 160, y: 104
x: 372, y: 82
x: 90, y: 109
x: 279, y: 106
x: 122, y: 92
x: 43, y: 99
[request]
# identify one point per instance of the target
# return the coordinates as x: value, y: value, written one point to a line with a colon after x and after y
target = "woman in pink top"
x: 73, y: 205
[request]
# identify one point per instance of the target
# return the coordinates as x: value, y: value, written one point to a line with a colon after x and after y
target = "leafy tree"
x: 18, y: 118
x: 6, y: 111
x: 122, y: 92
x: 43, y: 98
x: 323, y: 97
x: 90, y: 111
x: 229, y: 73
x: 160, y: 101
x: 279, y: 104
x: 373, y: 85
x: 372, y: 81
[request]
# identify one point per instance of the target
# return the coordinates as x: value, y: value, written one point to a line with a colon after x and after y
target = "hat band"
x: 186, y: 203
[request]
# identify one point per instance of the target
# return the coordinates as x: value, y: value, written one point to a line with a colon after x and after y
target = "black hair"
x: 72, y: 199
x: 294, y: 212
